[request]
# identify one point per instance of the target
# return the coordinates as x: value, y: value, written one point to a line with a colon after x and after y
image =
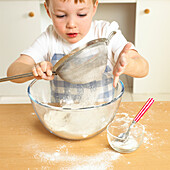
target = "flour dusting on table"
x: 100, y: 161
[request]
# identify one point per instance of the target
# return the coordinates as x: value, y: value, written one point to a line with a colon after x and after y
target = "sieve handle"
x: 110, y: 36
x: 18, y: 76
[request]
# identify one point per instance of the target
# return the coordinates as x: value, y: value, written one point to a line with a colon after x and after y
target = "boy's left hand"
x: 121, y: 63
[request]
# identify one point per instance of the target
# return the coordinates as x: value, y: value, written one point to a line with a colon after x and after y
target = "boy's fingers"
x: 43, y: 70
x: 126, y: 48
x: 121, y: 63
x: 115, y: 81
x: 50, y: 78
x: 49, y: 70
x: 39, y: 70
x: 34, y: 72
x: 43, y: 66
x: 116, y: 74
x: 118, y: 70
x: 49, y: 73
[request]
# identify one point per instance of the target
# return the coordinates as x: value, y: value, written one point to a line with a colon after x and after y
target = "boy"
x: 73, y: 27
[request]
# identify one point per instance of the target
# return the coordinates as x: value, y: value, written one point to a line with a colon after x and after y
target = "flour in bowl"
x: 76, y: 123
x: 128, y: 145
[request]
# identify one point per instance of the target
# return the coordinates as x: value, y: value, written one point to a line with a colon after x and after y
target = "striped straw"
x: 144, y: 109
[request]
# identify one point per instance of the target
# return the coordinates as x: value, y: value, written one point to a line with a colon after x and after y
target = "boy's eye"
x: 82, y: 15
x: 60, y: 16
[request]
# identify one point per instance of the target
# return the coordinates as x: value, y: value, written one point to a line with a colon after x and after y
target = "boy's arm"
x: 130, y: 63
x: 23, y: 64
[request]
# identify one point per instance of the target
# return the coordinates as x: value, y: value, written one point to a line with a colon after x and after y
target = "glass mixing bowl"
x: 75, y: 113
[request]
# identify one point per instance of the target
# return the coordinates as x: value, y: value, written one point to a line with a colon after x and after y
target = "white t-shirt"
x: 49, y: 43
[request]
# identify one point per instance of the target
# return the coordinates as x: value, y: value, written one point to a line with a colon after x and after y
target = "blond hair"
x: 75, y: 1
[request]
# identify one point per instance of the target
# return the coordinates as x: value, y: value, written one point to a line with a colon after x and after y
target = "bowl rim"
x: 84, y: 108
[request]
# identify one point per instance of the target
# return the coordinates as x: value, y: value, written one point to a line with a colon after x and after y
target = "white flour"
x: 77, y: 124
x: 129, y: 144
x: 100, y: 161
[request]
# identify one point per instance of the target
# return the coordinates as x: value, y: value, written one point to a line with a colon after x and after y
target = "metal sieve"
x: 82, y: 65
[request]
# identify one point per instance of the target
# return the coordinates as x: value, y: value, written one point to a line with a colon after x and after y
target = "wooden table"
x: 26, y: 144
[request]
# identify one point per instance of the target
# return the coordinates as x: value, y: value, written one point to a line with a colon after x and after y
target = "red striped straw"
x: 144, y: 109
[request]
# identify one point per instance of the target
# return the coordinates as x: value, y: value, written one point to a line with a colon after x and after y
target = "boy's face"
x: 71, y: 21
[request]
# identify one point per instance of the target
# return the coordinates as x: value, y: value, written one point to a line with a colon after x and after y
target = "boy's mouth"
x: 72, y: 35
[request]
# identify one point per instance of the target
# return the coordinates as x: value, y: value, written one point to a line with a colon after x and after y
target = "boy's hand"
x: 43, y: 70
x: 121, y: 63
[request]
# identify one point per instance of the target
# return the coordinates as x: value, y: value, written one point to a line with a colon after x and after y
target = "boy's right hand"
x: 43, y: 70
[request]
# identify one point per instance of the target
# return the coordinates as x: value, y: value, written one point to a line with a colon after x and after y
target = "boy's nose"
x: 71, y: 23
